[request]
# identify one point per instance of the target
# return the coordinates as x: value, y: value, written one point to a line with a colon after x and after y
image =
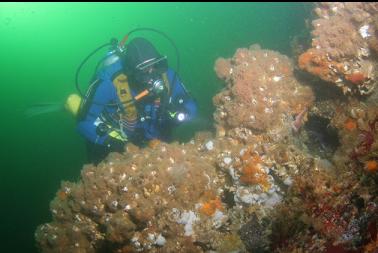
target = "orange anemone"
x: 350, y: 124
x: 371, y: 165
x: 211, y: 206
x: 356, y: 78
x: 62, y: 195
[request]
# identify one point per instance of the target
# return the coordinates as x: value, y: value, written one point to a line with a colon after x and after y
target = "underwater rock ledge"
x: 253, y: 186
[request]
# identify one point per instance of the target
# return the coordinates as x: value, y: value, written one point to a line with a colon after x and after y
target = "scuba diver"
x: 135, y: 97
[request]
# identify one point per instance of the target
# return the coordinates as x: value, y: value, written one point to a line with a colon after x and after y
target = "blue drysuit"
x: 148, y: 126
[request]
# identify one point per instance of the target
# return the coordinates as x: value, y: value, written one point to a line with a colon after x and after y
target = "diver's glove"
x: 114, y: 144
x: 114, y: 139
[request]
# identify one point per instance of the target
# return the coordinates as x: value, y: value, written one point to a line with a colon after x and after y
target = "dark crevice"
x: 320, y: 138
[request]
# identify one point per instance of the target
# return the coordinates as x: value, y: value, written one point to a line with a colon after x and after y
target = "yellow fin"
x: 73, y: 104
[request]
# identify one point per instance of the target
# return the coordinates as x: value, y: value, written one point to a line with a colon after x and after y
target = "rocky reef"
x: 286, y: 170
x: 344, y: 46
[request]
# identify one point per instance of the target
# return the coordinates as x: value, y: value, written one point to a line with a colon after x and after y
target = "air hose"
x: 120, y: 48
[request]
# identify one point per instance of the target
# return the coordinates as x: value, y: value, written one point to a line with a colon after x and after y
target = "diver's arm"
x: 89, y: 125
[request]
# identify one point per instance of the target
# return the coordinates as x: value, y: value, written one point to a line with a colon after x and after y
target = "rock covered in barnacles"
x: 344, y: 36
x: 261, y: 92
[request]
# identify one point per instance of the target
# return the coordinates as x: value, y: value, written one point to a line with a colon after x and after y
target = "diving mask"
x: 149, y: 74
x: 159, y: 64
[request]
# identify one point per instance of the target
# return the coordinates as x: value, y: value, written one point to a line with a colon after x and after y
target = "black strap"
x: 85, y: 105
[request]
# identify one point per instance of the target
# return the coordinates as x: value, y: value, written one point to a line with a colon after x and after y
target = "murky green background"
x: 42, y: 44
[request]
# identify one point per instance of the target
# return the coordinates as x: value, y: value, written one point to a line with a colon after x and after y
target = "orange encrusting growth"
x: 251, y: 172
x: 153, y: 143
x: 315, y: 64
x: 371, y: 165
x: 356, y: 78
x: 319, y: 64
x: 372, y: 246
x: 62, y: 195
x: 350, y: 124
x: 211, y: 206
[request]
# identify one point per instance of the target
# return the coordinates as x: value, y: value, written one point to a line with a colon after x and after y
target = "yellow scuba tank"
x: 73, y: 104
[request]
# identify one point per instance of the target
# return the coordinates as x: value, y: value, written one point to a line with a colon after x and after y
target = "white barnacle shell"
x: 277, y: 78
x: 160, y: 240
x: 77, y: 217
x: 364, y: 31
x: 171, y: 189
x: 268, y: 110
x: 115, y: 203
x: 209, y: 145
x: 227, y: 160
x: 364, y: 51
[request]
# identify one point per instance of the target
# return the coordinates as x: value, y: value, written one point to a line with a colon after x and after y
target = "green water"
x: 42, y: 44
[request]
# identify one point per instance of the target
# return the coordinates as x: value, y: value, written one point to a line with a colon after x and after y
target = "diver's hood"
x: 139, y: 51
